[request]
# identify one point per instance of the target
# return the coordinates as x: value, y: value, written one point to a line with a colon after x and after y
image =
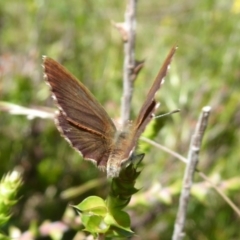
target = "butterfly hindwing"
x: 91, y: 146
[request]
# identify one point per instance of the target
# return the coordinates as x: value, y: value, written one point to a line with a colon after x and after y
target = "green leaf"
x: 120, y: 224
x: 93, y: 205
x: 118, y: 218
x: 120, y: 232
x: 94, y: 224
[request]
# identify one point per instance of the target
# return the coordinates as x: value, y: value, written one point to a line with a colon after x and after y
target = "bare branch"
x: 221, y: 193
x: 165, y: 149
x: 31, y: 113
x: 201, y: 174
x: 74, y: 192
x: 194, y: 150
x: 129, y: 59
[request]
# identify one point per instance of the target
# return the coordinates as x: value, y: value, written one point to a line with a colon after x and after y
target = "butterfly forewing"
x: 147, y: 108
x: 75, y: 100
x: 82, y: 120
x: 150, y: 105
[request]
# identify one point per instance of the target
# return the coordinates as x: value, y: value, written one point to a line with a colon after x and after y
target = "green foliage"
x: 9, y: 187
x: 98, y: 219
x: 106, y: 217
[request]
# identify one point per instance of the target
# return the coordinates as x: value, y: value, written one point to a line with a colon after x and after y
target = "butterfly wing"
x: 150, y: 105
x: 146, y: 113
x: 81, y: 120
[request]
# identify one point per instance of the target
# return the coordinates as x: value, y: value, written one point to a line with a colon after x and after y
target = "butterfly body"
x: 86, y: 125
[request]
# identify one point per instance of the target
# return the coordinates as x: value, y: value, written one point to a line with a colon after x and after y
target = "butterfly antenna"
x: 167, y: 114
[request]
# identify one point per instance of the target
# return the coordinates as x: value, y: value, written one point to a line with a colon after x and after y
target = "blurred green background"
x: 79, y: 34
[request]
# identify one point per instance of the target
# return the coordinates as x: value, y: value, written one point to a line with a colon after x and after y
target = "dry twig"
x: 30, y: 113
x: 129, y: 59
x: 201, y: 174
x: 194, y: 150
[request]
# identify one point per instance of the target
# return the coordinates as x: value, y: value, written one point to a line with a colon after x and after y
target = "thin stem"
x: 221, y: 193
x: 193, y: 154
x: 129, y: 59
x: 165, y: 149
x: 30, y: 113
x: 201, y: 174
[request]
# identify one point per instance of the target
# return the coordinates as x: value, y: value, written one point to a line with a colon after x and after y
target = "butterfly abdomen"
x: 119, y: 155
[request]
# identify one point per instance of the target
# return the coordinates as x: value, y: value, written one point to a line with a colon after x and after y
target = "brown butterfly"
x: 86, y: 125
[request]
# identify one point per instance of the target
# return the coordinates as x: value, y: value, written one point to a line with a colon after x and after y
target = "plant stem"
x: 129, y: 59
x: 193, y: 154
